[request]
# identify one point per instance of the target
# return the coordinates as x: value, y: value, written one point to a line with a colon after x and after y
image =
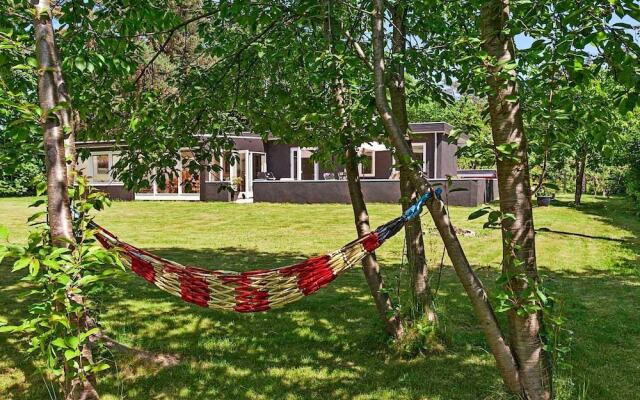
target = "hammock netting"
x: 255, y: 290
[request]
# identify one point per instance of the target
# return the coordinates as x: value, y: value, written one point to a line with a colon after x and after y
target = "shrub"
x: 21, y: 181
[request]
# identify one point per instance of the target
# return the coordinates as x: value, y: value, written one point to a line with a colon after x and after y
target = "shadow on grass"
x: 331, y: 344
x: 615, y: 211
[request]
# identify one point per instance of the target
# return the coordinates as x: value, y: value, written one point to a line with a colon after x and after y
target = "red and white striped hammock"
x: 256, y: 290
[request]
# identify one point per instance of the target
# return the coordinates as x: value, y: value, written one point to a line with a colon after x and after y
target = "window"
x: 420, y: 154
x: 215, y: 174
x: 294, y: 163
x: 302, y: 167
x: 101, y: 168
x: 307, y: 166
x: 368, y: 163
x: 258, y: 165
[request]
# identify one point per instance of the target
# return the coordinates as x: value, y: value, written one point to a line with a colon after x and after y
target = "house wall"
x: 447, y: 161
x: 115, y: 191
x: 251, y: 144
x: 209, y: 191
x: 279, y: 159
x: 384, y: 163
x: 374, y: 190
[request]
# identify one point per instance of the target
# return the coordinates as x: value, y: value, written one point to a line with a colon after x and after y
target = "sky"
x: 524, y: 42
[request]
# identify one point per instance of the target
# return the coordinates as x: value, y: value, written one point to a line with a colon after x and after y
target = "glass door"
x: 238, y: 173
x: 241, y: 172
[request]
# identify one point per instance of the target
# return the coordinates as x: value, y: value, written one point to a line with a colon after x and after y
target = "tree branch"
x: 359, y: 52
x: 166, y: 41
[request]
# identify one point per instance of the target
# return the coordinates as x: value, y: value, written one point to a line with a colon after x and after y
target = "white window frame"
x: 423, y: 147
x: 299, y: 150
x: 92, y: 167
x: 372, y: 174
x: 154, y: 195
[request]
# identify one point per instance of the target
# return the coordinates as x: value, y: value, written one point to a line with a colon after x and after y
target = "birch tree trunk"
x: 414, y: 239
x: 370, y: 266
x: 479, y: 299
x: 50, y: 81
x: 518, y: 235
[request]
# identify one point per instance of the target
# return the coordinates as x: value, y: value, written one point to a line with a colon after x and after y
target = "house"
x: 273, y: 171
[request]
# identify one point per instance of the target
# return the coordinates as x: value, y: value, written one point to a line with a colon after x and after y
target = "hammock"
x: 255, y: 290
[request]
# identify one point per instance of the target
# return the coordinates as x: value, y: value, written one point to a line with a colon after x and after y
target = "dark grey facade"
x: 116, y: 192
x: 474, y: 193
x: 298, y: 179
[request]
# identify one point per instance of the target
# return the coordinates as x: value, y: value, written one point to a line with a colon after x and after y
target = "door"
x: 256, y: 164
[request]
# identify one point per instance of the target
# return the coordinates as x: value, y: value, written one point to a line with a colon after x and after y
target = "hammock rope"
x: 254, y: 290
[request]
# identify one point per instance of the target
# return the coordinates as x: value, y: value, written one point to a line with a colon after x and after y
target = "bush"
x: 616, y: 180
x: 20, y: 182
x: 632, y: 178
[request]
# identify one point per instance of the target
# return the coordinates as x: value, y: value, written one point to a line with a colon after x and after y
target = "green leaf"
x: 38, y: 203
x: 478, y: 213
x: 85, y: 335
x: 34, y: 266
x: 21, y: 263
x: 41, y: 187
x: 87, y: 279
x: 4, y: 232
x: 72, y: 342
x: 494, y: 216
x: 541, y: 295
x: 8, y: 328
x: 59, y: 343
x: 80, y: 63
x: 36, y: 216
x: 578, y: 64
x: 69, y: 354
x: 99, y: 367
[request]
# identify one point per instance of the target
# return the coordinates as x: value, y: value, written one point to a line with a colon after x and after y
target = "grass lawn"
x: 331, y: 345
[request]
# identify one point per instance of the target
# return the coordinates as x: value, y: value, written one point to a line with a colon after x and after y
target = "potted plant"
x: 236, y: 186
x: 544, y: 196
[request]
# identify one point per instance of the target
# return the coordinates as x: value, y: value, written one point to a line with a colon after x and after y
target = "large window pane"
x: 294, y: 164
x: 170, y: 184
x: 258, y: 164
x: 101, y: 168
x: 215, y: 175
x: 367, y: 163
x: 419, y: 154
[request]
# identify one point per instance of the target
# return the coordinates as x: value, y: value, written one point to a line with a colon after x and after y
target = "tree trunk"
x: 518, y: 235
x: 479, y: 298
x: 53, y: 123
x: 422, y: 299
x: 580, y: 167
x: 370, y: 266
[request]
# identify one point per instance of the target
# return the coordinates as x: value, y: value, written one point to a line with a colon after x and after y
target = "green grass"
x: 331, y: 345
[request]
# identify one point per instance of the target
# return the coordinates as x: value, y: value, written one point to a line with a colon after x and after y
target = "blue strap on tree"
x: 416, y: 208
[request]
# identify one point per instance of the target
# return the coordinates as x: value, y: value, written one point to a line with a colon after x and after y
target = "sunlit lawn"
x: 331, y: 345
